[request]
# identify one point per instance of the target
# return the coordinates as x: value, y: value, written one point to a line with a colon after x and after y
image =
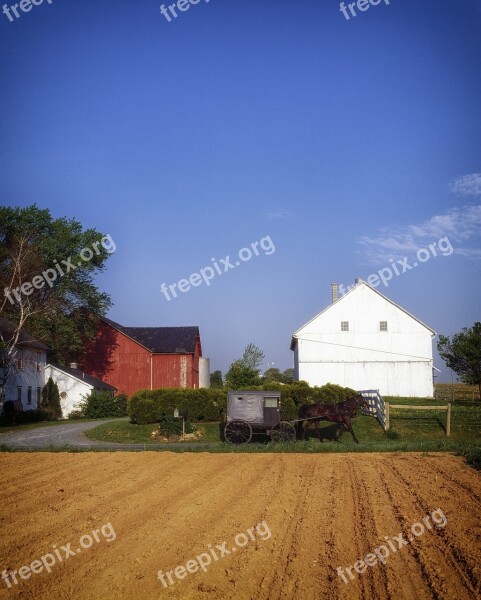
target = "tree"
x: 272, y: 375
x: 51, y: 400
x: 462, y: 354
x: 245, y: 371
x: 216, y: 381
x: 47, y: 270
x: 241, y: 376
x: 288, y: 376
x: 253, y: 357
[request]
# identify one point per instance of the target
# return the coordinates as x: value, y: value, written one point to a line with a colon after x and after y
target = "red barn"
x: 135, y: 358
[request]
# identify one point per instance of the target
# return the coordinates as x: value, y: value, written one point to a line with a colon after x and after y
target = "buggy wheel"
x: 283, y: 432
x: 238, y: 432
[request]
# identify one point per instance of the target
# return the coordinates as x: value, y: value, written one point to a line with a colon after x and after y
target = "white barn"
x: 364, y: 341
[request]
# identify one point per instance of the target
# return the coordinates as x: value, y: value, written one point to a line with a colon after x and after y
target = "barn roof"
x: 81, y: 376
x: 161, y: 340
x: 25, y: 340
x: 360, y: 283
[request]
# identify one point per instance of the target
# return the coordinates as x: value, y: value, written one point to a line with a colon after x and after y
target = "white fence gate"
x: 377, y: 407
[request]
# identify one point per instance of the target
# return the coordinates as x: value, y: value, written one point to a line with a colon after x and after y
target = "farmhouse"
x: 364, y: 341
x: 25, y: 371
x: 135, y: 358
x: 74, y: 385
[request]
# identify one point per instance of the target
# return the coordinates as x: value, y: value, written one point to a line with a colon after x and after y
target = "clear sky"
x: 348, y: 142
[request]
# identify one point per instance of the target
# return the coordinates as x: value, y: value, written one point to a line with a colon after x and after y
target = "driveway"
x: 71, y: 435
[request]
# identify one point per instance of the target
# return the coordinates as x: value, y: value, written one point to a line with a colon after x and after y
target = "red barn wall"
x: 121, y: 362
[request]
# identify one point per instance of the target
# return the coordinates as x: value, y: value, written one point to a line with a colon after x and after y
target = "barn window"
x: 382, y: 325
x: 344, y: 325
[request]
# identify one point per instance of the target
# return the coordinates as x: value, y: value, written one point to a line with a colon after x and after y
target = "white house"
x: 364, y: 341
x: 74, y: 385
x: 26, y: 375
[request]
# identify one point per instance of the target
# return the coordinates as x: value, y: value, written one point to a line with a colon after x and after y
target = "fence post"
x: 448, y: 420
x: 386, y: 416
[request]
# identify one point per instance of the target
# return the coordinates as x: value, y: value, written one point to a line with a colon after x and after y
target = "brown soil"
x: 323, y: 511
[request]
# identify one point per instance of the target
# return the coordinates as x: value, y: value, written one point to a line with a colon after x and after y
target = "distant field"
x: 456, y: 391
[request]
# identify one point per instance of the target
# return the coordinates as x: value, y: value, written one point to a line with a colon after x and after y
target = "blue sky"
x: 347, y: 142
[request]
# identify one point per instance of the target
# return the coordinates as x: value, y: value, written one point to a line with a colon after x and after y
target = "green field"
x: 410, y: 430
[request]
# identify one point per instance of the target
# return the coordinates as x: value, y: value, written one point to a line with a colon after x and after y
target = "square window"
x: 344, y: 325
x: 270, y: 402
x: 382, y: 325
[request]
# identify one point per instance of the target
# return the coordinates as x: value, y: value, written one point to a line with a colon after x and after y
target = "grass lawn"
x: 410, y: 430
x: 123, y: 432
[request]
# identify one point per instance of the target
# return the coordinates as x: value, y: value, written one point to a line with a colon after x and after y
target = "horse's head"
x: 361, y: 402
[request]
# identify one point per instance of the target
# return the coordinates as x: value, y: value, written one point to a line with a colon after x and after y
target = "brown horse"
x: 341, y: 413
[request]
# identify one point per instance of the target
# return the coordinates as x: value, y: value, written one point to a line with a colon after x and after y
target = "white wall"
x: 75, y: 389
x: 28, y: 376
x: 397, y: 362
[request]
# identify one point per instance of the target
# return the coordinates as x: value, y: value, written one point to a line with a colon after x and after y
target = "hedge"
x: 148, y: 406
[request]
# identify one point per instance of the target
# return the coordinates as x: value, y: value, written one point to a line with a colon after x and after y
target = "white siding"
x: 398, y: 362
x: 74, y: 388
x: 29, y: 375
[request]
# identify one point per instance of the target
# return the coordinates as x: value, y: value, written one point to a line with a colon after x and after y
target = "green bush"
x: 11, y: 416
x: 147, y: 406
x: 8, y: 413
x: 101, y: 405
x: 171, y: 426
x: 51, y: 401
x: 33, y: 416
x: 75, y: 414
x: 473, y: 457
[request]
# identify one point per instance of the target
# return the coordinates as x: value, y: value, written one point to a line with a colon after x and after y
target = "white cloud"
x: 468, y: 185
x: 460, y: 224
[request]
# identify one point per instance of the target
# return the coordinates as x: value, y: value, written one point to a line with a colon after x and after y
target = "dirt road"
x: 163, y: 509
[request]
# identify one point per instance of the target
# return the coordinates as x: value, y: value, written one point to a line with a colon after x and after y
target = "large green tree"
x: 245, y: 372
x: 47, y: 271
x: 241, y: 376
x: 272, y: 375
x: 216, y: 381
x: 462, y: 354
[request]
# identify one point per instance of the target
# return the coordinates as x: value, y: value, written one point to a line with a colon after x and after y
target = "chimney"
x: 335, y: 292
x: 73, y: 365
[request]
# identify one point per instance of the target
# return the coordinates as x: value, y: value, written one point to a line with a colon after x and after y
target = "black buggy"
x: 256, y: 413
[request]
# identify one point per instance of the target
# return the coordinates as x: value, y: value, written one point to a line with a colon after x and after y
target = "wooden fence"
x: 377, y: 406
x: 446, y: 408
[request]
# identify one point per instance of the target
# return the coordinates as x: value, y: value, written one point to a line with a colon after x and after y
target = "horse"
x: 341, y: 413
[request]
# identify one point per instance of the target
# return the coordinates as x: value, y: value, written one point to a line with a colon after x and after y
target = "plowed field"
x: 322, y: 512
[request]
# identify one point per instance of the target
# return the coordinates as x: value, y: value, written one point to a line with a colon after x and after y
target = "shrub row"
x: 101, y: 405
x: 148, y: 406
